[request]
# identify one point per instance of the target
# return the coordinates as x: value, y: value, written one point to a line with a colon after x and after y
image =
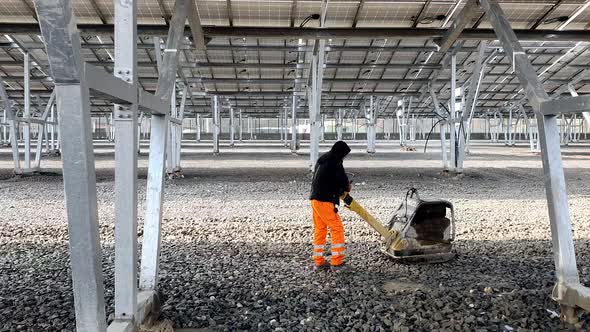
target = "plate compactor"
x: 418, y: 231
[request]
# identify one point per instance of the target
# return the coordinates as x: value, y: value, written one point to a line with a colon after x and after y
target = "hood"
x: 340, y: 149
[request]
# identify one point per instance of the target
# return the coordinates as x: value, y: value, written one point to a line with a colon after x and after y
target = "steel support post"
x: 453, y: 116
x: 371, y: 132
x: 568, y: 291
x: 150, y: 254
x: 443, y: 145
x: 111, y: 128
x: 280, y: 127
x: 216, y: 124
x: 178, y: 138
x: 323, y: 129
x: 81, y: 203
x: 399, y: 117
x: 413, y: 129
x: 232, y: 127
x: 443, y: 126
x: 460, y: 126
x: 391, y: 130
x: 354, y: 127
x: 315, y: 93
x: 339, y: 119
x: 45, y: 137
x: 12, y: 124
x: 198, y: 127
x: 170, y: 143
x: 42, y: 131
x: 499, y: 125
x: 402, y: 121
x: 172, y: 135
x: 4, y: 126
x: 139, y: 122
x: 53, y: 120
x: 240, y: 126
x: 314, y: 139
x: 474, y: 86
x: 27, y: 110
x: 286, y: 125
x: 405, y: 120
x: 294, y: 124
x: 533, y: 137
x: 250, y: 128
x: 58, y: 27
x: 126, y: 141
x: 508, y: 131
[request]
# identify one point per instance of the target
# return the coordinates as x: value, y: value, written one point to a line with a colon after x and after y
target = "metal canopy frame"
x: 392, y: 55
x: 568, y: 292
x: 74, y: 81
x: 374, y: 68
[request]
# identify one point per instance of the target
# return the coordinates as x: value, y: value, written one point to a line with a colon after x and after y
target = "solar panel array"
x: 257, y: 74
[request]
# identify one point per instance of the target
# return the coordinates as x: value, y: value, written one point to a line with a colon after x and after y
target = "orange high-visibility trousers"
x: 324, y: 217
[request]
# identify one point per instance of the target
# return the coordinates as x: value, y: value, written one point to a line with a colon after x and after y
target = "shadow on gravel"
x: 240, y: 286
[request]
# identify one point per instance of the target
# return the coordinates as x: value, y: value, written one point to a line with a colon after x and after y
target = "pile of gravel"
x: 237, y: 244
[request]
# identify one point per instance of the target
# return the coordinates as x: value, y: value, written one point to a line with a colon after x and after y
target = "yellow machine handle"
x: 351, y: 204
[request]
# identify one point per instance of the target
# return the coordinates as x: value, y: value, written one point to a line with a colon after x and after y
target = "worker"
x: 329, y: 182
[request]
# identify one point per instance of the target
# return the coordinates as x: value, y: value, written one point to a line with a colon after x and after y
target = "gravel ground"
x: 236, y: 247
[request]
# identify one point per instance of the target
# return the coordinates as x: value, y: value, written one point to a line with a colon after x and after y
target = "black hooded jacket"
x: 329, y: 179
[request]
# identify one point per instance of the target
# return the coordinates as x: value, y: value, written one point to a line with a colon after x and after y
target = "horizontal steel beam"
x: 302, y: 106
x: 257, y: 65
x: 547, y: 48
x: 107, y: 86
x: 457, y: 26
x: 576, y: 104
x: 314, y: 33
x: 290, y: 81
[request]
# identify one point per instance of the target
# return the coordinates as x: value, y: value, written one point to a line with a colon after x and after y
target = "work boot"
x: 342, y: 268
x: 321, y: 268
